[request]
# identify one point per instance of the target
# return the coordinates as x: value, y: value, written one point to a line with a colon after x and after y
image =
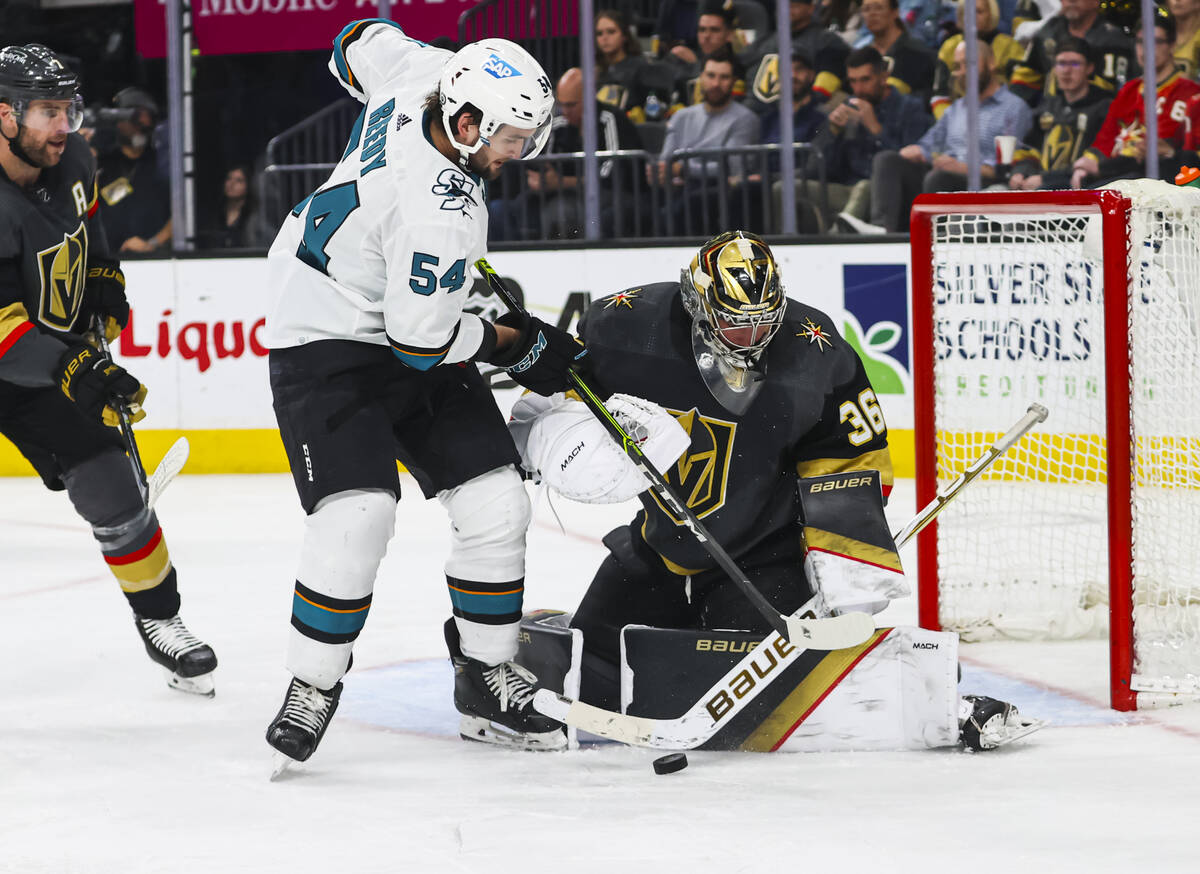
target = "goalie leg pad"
x: 903, y: 694
x: 344, y: 541
x: 485, y: 571
x: 105, y: 494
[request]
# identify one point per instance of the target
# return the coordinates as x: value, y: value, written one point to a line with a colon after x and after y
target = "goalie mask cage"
x: 1087, y: 302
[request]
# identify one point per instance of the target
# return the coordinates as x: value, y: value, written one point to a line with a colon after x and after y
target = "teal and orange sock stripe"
x: 487, y: 603
x: 328, y: 619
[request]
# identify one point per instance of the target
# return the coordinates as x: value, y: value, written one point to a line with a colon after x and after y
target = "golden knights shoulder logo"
x: 62, y: 268
x: 701, y: 475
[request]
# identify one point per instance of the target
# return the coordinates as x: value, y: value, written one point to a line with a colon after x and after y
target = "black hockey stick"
x: 150, y: 487
x: 849, y: 629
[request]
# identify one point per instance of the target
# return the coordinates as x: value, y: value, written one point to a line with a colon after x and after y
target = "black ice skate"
x: 496, y: 703
x: 985, y: 723
x: 301, y: 722
x: 189, y: 662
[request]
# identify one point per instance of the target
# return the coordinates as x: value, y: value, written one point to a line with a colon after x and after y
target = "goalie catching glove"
x: 563, y: 442
x: 91, y: 379
x: 541, y: 357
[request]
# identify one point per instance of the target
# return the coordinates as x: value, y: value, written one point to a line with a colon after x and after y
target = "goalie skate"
x: 189, y: 662
x: 986, y: 723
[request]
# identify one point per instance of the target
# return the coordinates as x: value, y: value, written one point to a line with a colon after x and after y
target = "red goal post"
x: 1087, y: 526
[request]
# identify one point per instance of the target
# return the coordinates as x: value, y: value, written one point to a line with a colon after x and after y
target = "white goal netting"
x: 1019, y: 317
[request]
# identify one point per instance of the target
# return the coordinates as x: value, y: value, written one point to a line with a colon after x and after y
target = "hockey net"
x: 1088, y: 303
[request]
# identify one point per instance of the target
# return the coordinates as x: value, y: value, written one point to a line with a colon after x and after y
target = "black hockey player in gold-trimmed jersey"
x: 785, y: 459
x: 58, y: 393
x: 768, y: 391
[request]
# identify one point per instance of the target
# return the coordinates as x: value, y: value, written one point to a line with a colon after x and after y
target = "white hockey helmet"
x: 506, y: 85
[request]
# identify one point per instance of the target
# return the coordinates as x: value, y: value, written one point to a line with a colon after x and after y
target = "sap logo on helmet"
x: 500, y: 68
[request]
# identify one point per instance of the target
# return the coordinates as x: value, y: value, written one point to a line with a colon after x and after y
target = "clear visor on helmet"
x: 513, y: 142
x: 50, y: 116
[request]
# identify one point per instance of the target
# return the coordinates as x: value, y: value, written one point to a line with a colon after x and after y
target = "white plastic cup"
x: 1006, y: 147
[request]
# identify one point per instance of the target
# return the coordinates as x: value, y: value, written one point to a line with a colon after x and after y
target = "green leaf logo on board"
x: 887, y: 375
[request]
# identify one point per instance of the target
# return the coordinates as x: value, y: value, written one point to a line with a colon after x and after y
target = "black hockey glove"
x: 94, y: 382
x: 541, y: 357
x: 104, y: 297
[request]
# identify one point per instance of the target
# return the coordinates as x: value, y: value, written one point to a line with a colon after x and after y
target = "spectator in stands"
x: 551, y: 206
x: 1064, y: 123
x: 1111, y: 47
x: 807, y: 114
x: 619, y: 60
x: 236, y: 225
x: 675, y: 25
x: 877, y: 118
x: 717, y: 123
x: 714, y: 32
x: 938, y: 161
x: 1006, y: 50
x: 1119, y: 150
x: 1187, y: 44
x: 826, y: 48
x: 912, y: 63
x: 843, y: 17
x: 135, y: 196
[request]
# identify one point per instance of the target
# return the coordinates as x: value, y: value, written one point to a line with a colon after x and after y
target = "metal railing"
x: 712, y: 190
x: 319, y: 138
x: 547, y: 29
x: 540, y: 199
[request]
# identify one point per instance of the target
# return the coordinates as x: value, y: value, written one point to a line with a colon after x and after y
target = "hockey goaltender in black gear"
x: 784, y: 456
x: 57, y: 391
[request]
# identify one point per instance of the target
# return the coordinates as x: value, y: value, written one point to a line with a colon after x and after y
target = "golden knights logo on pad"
x: 701, y: 474
x: 62, y: 268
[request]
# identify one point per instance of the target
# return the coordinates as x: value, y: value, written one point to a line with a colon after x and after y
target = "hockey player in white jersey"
x: 370, y: 275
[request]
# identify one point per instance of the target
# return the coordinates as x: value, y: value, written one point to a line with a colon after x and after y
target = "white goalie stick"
x: 701, y: 723
x: 837, y: 632
x: 172, y: 463
x: 1036, y: 413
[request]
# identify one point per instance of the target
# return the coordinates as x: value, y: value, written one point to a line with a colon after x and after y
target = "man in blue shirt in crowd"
x: 937, y: 162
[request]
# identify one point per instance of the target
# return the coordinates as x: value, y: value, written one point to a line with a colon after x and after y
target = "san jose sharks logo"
x: 457, y: 189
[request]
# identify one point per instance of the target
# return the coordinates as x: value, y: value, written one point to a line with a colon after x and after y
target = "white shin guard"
x: 345, y: 539
x: 489, y: 516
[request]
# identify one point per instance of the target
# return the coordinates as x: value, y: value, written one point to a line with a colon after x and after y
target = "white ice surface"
x: 103, y: 769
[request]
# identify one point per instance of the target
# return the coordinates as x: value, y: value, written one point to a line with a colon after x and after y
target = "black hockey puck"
x: 670, y: 764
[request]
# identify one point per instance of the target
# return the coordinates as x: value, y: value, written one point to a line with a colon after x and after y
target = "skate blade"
x: 476, y: 728
x: 280, y: 763
x: 1016, y: 728
x: 202, y: 685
